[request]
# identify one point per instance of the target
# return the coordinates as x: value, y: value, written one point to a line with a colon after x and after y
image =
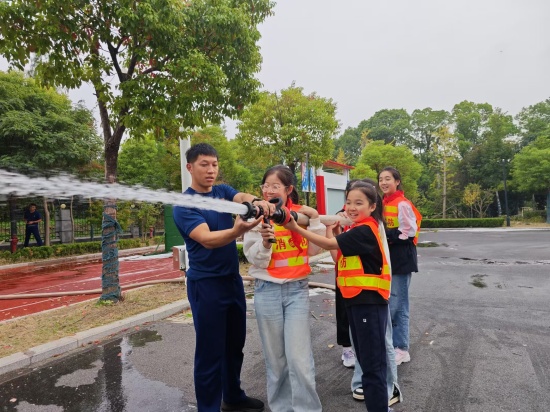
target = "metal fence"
x: 86, y: 217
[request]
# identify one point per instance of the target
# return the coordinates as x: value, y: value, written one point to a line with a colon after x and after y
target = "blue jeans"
x: 399, y: 308
x: 283, y: 315
x: 391, y: 378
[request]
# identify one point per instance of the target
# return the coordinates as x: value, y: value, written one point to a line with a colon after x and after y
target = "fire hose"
x: 125, y: 287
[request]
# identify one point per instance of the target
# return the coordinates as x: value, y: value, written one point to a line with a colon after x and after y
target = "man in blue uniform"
x: 32, y: 218
x: 214, y: 286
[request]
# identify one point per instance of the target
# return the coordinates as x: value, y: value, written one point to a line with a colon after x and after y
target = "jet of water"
x: 16, y: 184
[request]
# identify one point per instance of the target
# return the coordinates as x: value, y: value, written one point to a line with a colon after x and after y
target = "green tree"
x: 376, y: 155
x: 40, y: 129
x: 153, y: 64
x: 425, y: 123
x: 35, y: 122
x: 283, y: 128
x: 389, y: 125
x: 483, y: 163
x: 534, y: 121
x: 231, y: 171
x: 531, y: 169
x: 350, y: 143
x: 445, y: 152
x: 477, y: 199
x: 470, y: 122
x: 148, y: 162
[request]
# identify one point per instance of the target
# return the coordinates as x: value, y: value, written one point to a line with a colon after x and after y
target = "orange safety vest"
x: 352, y: 277
x: 287, y: 261
x: 391, y: 212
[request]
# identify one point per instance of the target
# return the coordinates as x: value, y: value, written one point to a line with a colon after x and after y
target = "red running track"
x: 74, y: 277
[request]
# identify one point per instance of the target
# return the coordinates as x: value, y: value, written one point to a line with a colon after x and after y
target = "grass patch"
x: 22, y: 334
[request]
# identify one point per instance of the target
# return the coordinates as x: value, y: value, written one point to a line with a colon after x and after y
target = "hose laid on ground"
x: 311, y: 284
x: 88, y: 292
x: 124, y: 287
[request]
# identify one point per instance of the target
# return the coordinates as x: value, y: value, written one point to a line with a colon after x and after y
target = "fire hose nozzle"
x: 281, y: 215
x: 252, y: 212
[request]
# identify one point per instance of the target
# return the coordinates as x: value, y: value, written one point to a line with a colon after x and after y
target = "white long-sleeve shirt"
x: 259, y: 257
x: 407, y: 220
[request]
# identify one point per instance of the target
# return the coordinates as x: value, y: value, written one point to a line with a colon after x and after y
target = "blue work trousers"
x: 219, y: 315
x: 32, y: 230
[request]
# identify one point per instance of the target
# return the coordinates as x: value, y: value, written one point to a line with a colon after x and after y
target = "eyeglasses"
x: 276, y: 187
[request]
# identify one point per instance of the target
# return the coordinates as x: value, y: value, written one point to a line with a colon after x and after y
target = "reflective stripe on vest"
x: 287, y: 261
x: 352, y: 277
x: 391, y: 213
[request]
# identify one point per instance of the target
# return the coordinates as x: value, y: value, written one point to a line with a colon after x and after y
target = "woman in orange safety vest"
x: 364, y: 278
x: 402, y: 226
x: 281, y: 298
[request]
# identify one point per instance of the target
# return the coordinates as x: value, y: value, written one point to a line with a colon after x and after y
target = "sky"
x: 389, y: 54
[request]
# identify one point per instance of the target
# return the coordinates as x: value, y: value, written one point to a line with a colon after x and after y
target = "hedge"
x: 69, y: 249
x: 455, y: 223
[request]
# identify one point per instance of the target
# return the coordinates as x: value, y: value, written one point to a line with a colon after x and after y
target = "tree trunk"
x: 548, y: 207
x: 499, y: 205
x: 13, y: 223
x: 110, y: 283
x: 46, y: 222
x: 72, y: 219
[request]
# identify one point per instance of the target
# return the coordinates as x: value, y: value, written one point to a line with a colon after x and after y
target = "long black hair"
x: 286, y: 176
x: 395, y: 173
x: 369, y: 190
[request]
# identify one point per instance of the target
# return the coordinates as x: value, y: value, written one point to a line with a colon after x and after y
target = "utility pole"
x: 505, y: 192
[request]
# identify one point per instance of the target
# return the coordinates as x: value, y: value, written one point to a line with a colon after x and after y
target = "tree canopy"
x: 40, y: 129
x: 157, y: 65
x: 283, y: 128
x: 376, y: 156
x: 153, y: 64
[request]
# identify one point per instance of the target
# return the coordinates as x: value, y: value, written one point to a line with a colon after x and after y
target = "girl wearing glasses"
x: 281, y: 298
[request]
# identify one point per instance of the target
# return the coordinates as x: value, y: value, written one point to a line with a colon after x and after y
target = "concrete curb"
x: 51, y: 349
x: 91, y: 336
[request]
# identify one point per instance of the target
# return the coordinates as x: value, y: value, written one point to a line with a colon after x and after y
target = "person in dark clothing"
x: 364, y: 278
x: 32, y: 218
x: 402, y: 225
x: 215, y: 287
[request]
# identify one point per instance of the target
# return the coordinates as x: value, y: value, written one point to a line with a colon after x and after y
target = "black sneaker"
x: 358, y: 394
x: 248, y: 405
x: 396, y: 397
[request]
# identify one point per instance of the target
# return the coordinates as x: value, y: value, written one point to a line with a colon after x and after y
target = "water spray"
x: 65, y: 186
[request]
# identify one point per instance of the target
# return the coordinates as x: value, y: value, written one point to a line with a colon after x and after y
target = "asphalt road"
x: 480, y: 341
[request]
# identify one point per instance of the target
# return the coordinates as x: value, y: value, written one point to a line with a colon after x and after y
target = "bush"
x: 534, y: 216
x: 456, y: 223
x: 61, y: 250
x: 240, y: 251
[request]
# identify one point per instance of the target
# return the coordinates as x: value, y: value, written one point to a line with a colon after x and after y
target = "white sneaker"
x: 348, y: 357
x: 401, y: 356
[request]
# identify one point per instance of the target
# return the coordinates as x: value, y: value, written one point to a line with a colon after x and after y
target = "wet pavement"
x: 480, y: 339
x: 74, y: 276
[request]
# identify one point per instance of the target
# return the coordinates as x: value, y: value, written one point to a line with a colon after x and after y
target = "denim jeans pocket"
x: 303, y: 283
x: 259, y: 285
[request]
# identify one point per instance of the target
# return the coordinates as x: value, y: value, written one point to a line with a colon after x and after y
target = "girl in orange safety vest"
x: 402, y: 226
x: 364, y: 278
x: 281, y: 298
